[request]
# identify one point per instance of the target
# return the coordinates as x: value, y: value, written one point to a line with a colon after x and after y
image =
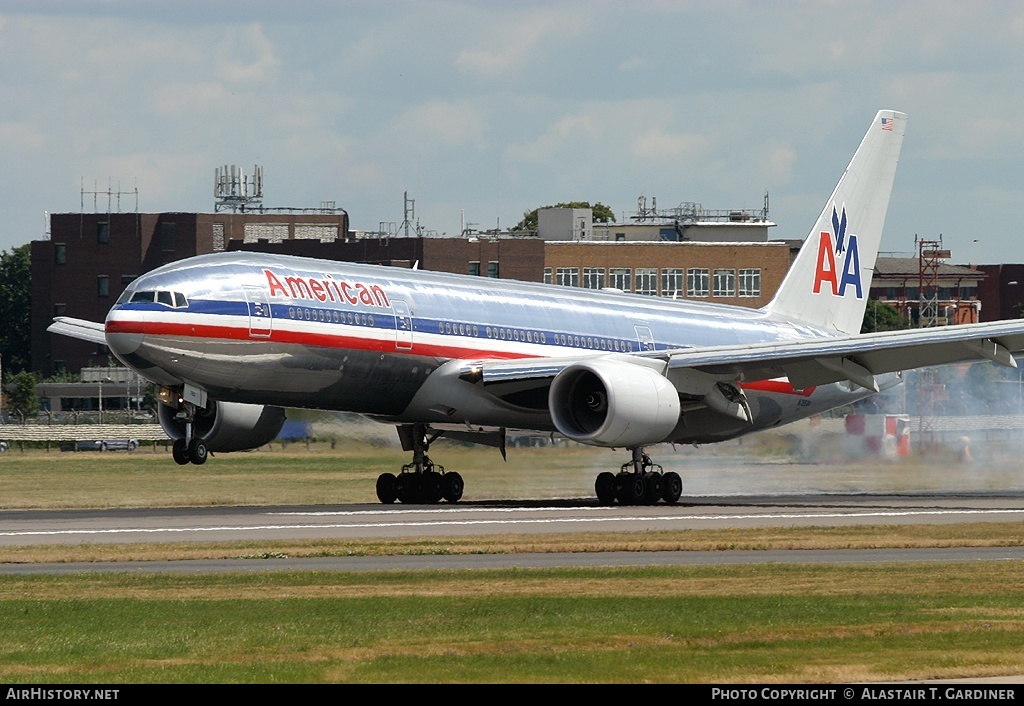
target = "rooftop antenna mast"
x: 235, y: 191
x: 111, y: 195
x: 409, y: 214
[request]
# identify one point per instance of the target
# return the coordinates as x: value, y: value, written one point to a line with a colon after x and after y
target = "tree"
x: 879, y: 316
x: 22, y: 399
x: 15, y: 309
x: 602, y: 214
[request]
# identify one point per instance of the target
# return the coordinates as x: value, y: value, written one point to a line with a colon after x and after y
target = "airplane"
x: 233, y: 338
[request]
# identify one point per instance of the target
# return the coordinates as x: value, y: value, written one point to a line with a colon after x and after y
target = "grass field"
x: 766, y: 623
x: 347, y: 473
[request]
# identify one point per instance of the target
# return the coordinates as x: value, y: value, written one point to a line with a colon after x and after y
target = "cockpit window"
x: 176, y: 300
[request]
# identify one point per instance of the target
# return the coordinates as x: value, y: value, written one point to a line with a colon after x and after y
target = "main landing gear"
x: 190, y: 449
x: 645, y: 484
x: 421, y: 481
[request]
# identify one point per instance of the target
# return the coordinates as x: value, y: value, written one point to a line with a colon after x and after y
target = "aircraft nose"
x: 123, y: 344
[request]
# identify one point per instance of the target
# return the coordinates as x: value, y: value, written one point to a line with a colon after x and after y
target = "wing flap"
x: 78, y: 328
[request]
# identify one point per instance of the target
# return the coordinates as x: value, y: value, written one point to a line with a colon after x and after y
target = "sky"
x: 481, y: 111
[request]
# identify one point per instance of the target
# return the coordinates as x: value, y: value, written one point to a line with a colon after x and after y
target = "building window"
x: 647, y: 281
x: 697, y: 281
x: 725, y: 283
x: 750, y: 282
x: 492, y: 269
x: 168, y: 237
x: 103, y: 286
x: 474, y: 269
x: 620, y: 237
x: 60, y: 253
x: 218, y: 237
x: 621, y: 278
x: 568, y: 276
x: 60, y: 309
x: 548, y: 275
x: 102, y: 233
x: 671, y: 282
x: 128, y: 279
x: 593, y: 277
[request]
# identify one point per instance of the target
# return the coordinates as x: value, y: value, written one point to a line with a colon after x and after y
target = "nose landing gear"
x: 190, y: 448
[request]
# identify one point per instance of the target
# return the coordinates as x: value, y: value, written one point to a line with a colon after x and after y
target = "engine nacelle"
x: 614, y: 404
x: 227, y: 426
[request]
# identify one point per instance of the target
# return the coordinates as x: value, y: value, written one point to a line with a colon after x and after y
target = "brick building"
x: 1001, y: 292
x: 505, y: 258
x: 743, y: 274
x: 899, y: 281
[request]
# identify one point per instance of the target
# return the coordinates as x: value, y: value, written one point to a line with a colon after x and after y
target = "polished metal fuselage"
x: 297, y: 332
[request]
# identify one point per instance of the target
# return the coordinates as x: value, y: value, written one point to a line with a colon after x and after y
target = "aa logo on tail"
x: 835, y: 247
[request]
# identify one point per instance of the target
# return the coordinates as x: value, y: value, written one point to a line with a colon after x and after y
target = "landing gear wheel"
x: 452, y: 487
x: 604, y: 486
x: 408, y: 488
x: 633, y: 489
x: 671, y: 487
x: 430, y: 487
x: 386, y: 485
x: 179, y: 451
x: 652, y: 488
x: 197, y: 452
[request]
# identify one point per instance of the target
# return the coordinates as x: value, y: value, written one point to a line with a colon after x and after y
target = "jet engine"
x: 227, y: 426
x: 613, y: 404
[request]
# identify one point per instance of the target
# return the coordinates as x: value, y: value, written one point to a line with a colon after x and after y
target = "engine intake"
x: 613, y: 404
x: 227, y: 426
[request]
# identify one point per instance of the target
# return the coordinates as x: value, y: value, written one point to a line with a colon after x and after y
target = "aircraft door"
x: 261, y: 321
x: 644, y: 337
x: 403, y: 325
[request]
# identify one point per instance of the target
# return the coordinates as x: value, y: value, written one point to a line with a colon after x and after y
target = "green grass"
x: 766, y: 623
x: 348, y: 473
x: 677, y: 624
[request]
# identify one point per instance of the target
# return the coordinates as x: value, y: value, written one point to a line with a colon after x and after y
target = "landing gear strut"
x: 421, y: 481
x: 190, y: 449
x: 645, y: 484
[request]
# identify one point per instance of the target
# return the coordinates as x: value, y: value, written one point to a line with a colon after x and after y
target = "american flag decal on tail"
x: 887, y: 123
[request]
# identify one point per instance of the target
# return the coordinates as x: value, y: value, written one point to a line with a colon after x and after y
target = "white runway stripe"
x: 506, y: 521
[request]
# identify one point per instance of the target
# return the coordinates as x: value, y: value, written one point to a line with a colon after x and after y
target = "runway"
x: 21, y: 528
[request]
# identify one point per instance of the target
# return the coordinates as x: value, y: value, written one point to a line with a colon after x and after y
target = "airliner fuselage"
x: 295, y: 332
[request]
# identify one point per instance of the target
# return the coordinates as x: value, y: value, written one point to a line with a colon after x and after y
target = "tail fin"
x: 828, y: 284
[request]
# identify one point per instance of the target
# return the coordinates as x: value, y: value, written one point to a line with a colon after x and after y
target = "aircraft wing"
x: 858, y: 358
x: 806, y: 362
x: 78, y: 328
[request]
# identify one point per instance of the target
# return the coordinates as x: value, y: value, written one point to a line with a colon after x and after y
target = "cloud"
x: 246, y: 55
x: 20, y: 137
x: 660, y: 145
x: 519, y: 38
x: 435, y: 125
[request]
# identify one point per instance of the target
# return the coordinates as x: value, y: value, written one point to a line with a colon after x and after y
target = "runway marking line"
x: 554, y: 520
